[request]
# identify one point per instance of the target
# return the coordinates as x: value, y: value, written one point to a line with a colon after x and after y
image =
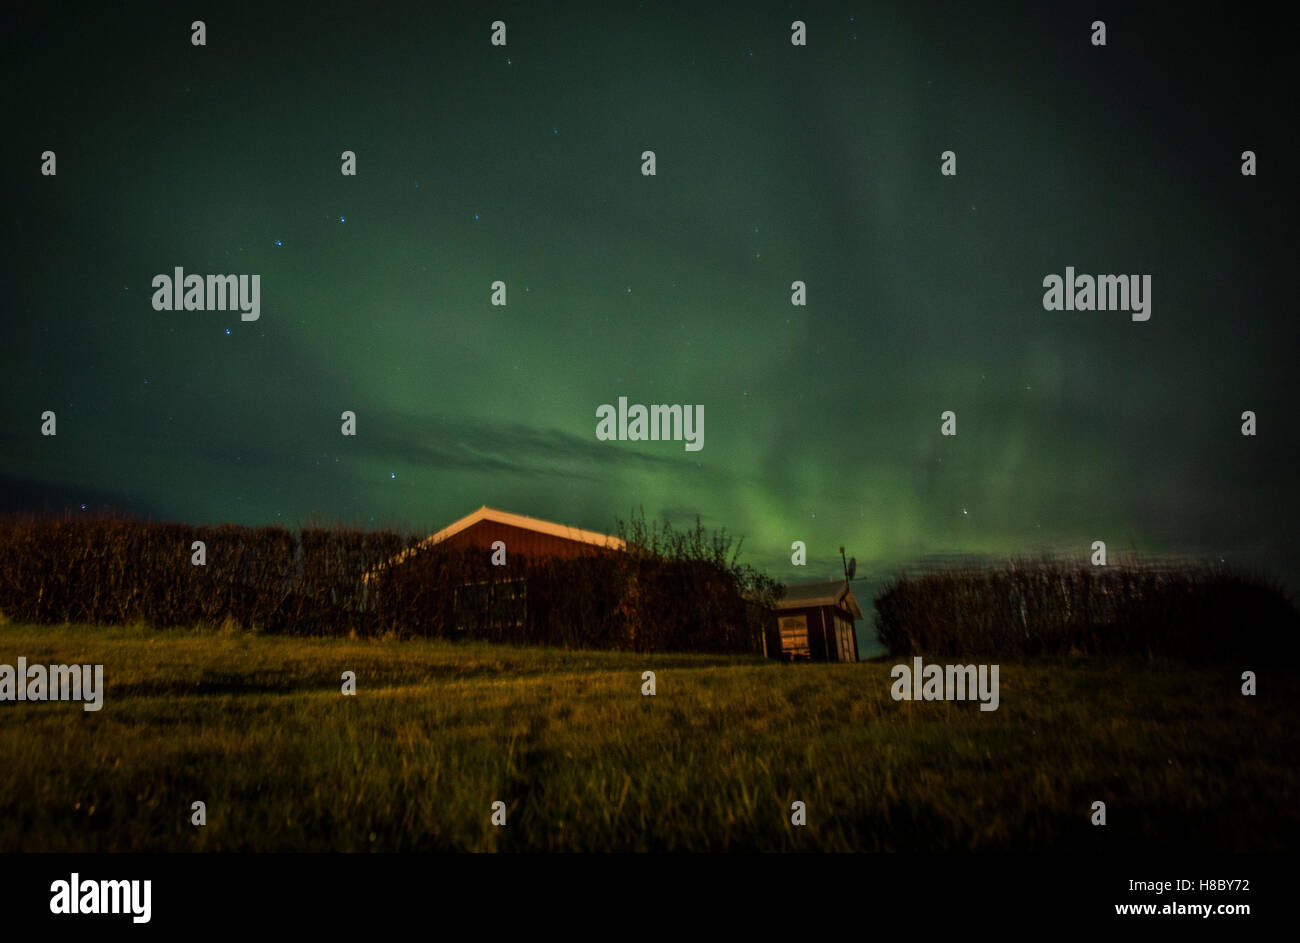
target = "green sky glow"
x: 774, y: 164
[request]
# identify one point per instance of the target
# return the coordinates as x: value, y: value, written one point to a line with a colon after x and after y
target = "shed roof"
x: 829, y: 593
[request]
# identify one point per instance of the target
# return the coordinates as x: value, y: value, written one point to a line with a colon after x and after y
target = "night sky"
x: 775, y: 163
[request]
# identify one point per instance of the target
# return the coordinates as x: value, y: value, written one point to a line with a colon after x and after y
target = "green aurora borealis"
x: 774, y: 164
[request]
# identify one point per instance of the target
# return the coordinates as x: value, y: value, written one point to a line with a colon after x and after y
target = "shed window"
x: 794, y: 636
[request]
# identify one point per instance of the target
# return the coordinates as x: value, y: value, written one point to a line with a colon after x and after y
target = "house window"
x: 794, y: 636
x: 497, y: 604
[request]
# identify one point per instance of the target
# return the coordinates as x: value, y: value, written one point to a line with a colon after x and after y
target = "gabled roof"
x: 535, y: 524
x: 830, y: 593
x: 485, y: 513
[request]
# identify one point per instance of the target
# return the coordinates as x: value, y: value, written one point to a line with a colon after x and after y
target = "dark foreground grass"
x: 257, y: 728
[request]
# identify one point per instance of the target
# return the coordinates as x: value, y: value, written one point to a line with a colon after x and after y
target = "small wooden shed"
x: 815, y: 621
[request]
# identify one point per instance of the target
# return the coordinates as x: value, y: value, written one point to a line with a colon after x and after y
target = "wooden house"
x: 503, y: 602
x: 815, y: 622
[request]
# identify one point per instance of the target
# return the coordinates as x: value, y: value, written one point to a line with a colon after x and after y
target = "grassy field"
x: 256, y: 727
